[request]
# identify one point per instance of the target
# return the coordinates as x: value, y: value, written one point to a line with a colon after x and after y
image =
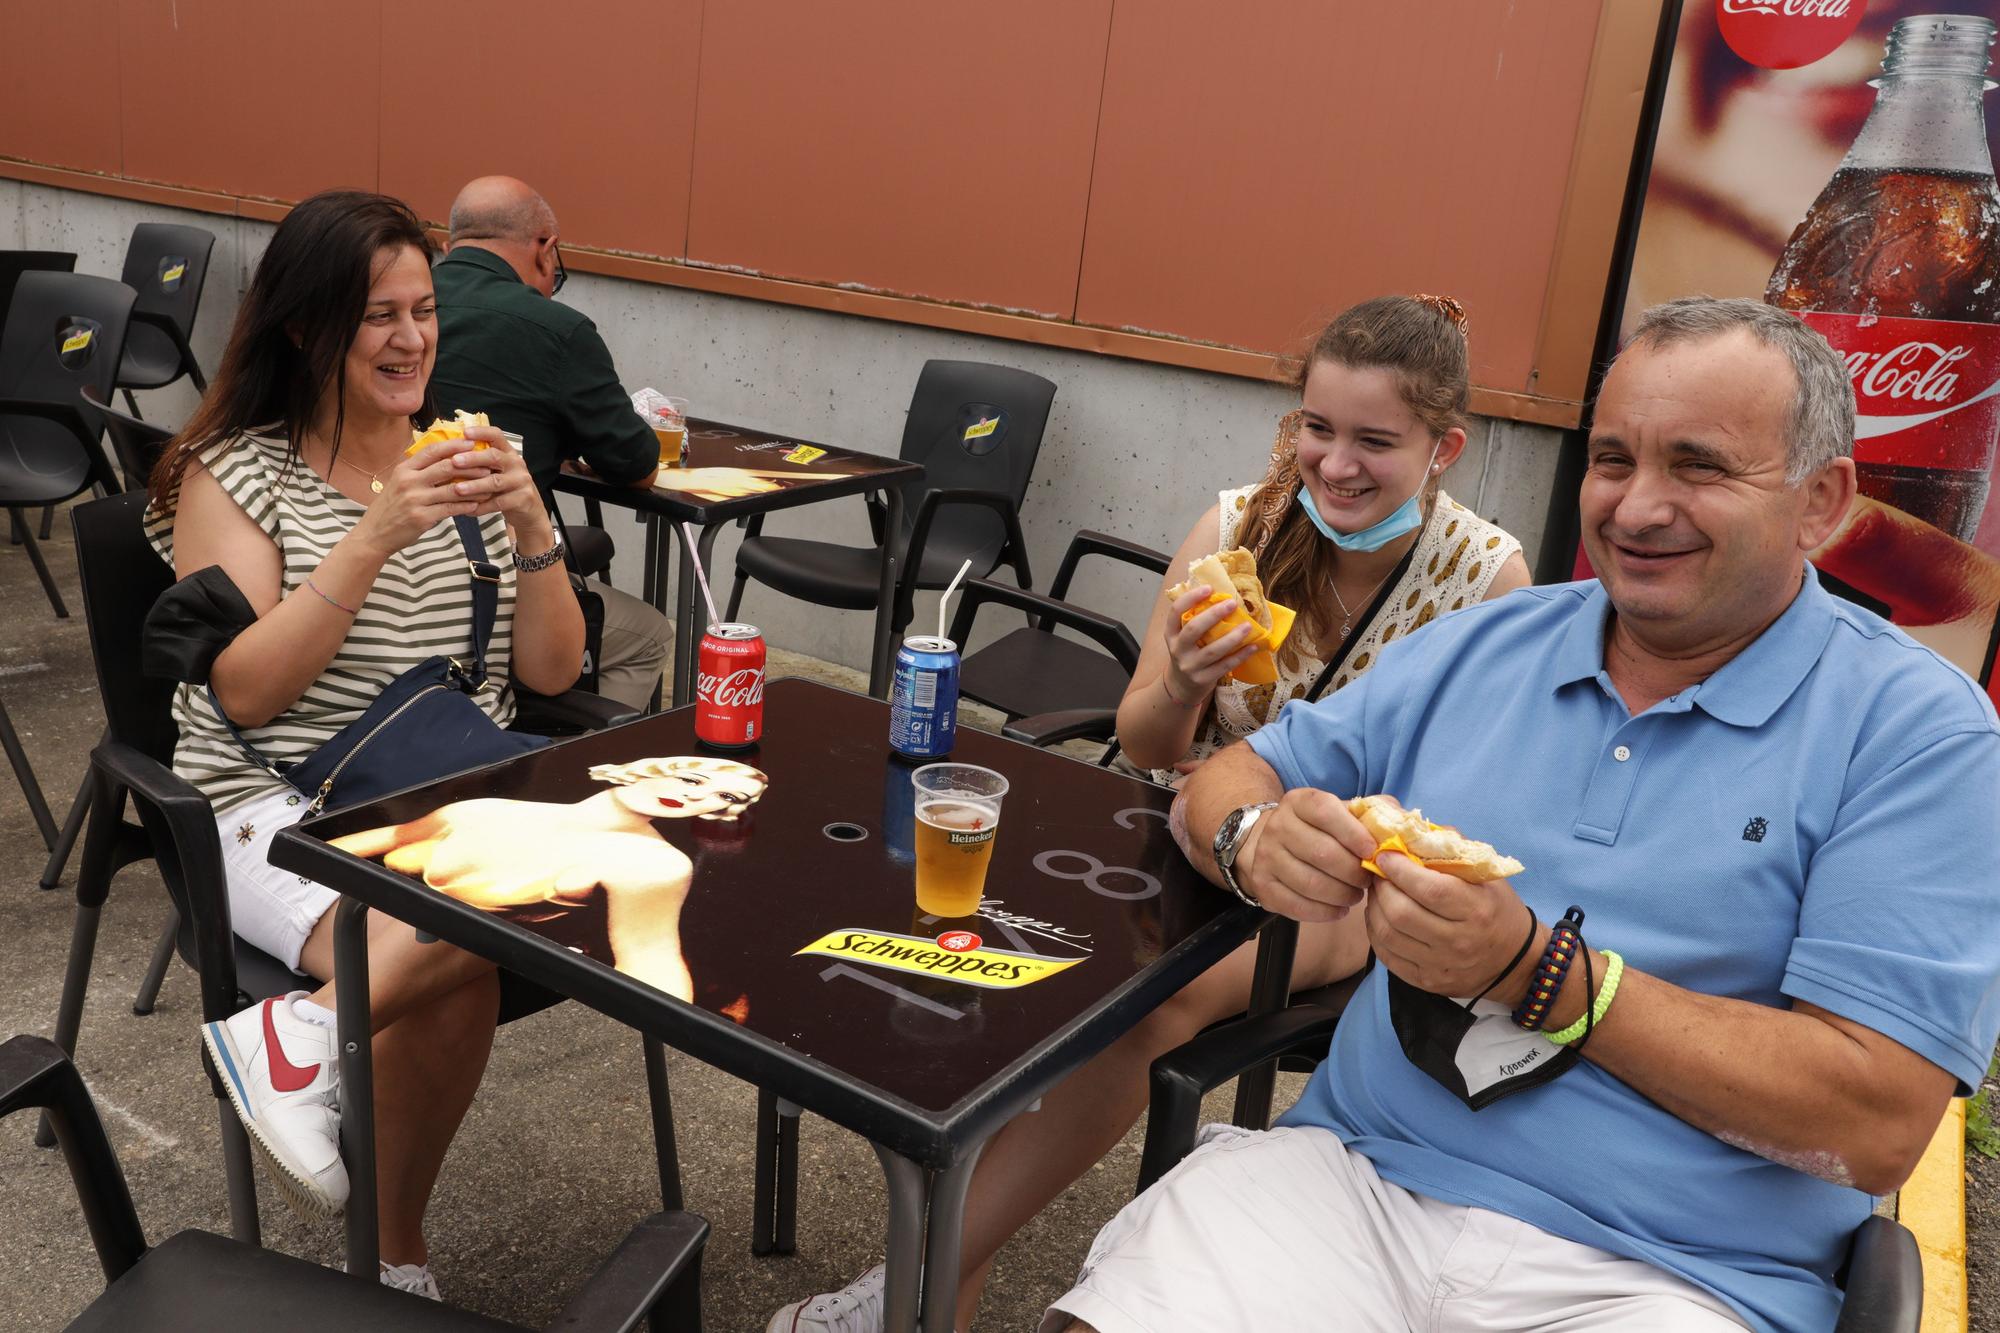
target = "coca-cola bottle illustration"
x: 1897, y: 263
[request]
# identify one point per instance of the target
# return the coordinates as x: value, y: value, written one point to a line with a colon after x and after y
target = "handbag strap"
x: 1389, y: 586
x: 485, y: 592
x: 485, y: 610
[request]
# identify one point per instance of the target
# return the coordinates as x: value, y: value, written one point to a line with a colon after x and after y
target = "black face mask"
x: 1473, y: 1048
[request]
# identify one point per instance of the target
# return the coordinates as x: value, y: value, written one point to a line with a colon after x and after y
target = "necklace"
x: 375, y: 480
x: 1347, y: 616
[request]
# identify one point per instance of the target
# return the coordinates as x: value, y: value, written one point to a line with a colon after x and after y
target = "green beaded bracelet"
x: 1614, y: 968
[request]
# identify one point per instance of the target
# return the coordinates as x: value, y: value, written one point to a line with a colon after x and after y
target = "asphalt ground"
x: 553, y: 1164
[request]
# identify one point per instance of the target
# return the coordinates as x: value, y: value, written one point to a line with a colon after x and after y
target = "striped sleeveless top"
x: 1458, y: 554
x: 419, y: 607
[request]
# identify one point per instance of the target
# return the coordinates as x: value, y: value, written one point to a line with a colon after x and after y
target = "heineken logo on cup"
x: 1786, y: 34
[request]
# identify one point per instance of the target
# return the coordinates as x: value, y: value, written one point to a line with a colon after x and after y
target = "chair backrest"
x: 974, y: 426
x: 13, y: 263
x: 122, y: 576
x: 136, y: 444
x: 167, y: 266
x: 65, y: 332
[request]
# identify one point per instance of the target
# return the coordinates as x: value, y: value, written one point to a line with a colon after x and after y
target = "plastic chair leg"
x: 132, y: 403
x: 69, y: 1009
x: 736, y: 594
x: 41, y: 566
x: 37, y: 806
x: 48, y: 521
x: 79, y: 809
x: 239, y: 1175
x: 156, y: 970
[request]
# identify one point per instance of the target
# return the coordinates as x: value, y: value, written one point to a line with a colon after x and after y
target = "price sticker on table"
x: 805, y: 453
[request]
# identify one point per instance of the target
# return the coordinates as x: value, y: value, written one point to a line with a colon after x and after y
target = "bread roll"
x: 1439, y: 847
x: 1231, y: 573
x: 440, y: 429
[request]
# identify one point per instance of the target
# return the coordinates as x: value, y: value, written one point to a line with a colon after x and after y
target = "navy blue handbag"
x: 423, y: 726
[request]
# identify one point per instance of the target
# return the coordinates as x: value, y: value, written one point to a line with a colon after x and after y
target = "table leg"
x: 942, y: 1242
x: 885, y: 598
x: 661, y: 1099
x: 357, y: 1083
x: 902, y: 1287
x: 689, y: 621
x: 653, y: 583
x: 1270, y: 992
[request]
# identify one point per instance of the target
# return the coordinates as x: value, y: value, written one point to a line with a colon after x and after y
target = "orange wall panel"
x: 253, y: 97
x: 59, y: 84
x: 1345, y: 150
x: 598, y: 116
x: 937, y: 150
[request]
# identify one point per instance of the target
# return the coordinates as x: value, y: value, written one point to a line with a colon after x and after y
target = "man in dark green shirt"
x: 540, y: 369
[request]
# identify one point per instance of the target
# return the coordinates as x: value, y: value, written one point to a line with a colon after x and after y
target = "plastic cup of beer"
x: 958, y: 816
x: 671, y: 430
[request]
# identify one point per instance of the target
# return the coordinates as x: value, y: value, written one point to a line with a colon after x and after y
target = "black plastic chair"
x: 1883, y: 1277
x: 136, y: 444
x: 168, y: 267
x: 24, y: 773
x: 64, y: 333
x: 195, y: 1281
x: 976, y: 429
x: 122, y: 577
x: 13, y: 263
x: 1053, y: 688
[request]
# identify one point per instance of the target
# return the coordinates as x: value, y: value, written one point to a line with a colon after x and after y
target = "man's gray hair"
x: 523, y: 218
x: 1821, y: 428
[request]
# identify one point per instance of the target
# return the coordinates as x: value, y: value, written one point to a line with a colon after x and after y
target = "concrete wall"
x: 1133, y: 449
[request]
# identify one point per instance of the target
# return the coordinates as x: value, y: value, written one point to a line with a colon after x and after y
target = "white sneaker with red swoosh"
x: 282, y: 1075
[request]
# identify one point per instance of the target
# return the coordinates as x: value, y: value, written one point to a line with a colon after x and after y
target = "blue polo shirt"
x: 1812, y: 822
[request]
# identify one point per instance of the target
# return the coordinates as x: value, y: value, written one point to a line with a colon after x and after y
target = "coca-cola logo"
x: 1917, y: 371
x: 1926, y: 391
x: 738, y: 689
x: 1785, y: 34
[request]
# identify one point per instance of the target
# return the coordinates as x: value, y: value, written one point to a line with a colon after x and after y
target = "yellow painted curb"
x: 1932, y: 1206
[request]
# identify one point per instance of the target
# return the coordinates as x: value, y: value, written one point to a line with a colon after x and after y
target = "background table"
x: 926, y: 1069
x: 713, y: 444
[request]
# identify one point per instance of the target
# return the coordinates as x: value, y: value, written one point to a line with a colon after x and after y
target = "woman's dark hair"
x: 288, y: 349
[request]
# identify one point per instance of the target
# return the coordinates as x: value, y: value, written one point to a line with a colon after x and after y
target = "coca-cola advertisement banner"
x: 1835, y: 158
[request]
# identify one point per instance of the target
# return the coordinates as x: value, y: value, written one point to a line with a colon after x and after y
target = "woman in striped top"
x: 292, y: 477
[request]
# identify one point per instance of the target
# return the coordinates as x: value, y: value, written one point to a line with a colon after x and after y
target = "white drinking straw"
x: 944, y: 602
x: 701, y: 575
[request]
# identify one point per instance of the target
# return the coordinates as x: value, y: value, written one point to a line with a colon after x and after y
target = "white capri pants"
x: 270, y: 908
x: 1289, y: 1230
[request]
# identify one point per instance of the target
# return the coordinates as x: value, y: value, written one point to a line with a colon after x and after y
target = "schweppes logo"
x: 993, y: 969
x: 982, y: 428
x: 76, y: 342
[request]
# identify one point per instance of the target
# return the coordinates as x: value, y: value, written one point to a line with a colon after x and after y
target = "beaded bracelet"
x: 1565, y: 939
x: 1614, y: 968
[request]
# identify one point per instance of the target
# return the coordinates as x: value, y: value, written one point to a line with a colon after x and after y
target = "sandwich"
x: 1436, y: 846
x: 440, y: 429
x: 1231, y: 573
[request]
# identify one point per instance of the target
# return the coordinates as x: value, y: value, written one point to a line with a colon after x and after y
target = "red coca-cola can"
x: 729, y: 687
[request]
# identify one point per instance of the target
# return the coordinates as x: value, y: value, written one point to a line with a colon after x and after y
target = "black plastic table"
x: 1085, y: 884
x: 719, y: 460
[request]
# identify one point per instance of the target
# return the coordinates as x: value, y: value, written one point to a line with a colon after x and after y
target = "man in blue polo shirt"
x: 1774, y: 810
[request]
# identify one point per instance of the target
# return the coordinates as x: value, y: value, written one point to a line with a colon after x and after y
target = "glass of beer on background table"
x: 958, y: 816
x: 671, y: 430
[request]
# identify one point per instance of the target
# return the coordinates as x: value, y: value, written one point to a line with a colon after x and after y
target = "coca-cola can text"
x: 729, y: 687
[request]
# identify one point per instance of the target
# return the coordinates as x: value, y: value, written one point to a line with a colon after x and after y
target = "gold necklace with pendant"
x: 374, y: 478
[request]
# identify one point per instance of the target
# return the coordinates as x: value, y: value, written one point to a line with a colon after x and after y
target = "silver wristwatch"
x: 1229, y: 840
x: 534, y: 564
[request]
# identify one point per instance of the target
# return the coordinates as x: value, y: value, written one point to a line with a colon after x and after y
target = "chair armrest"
x: 1087, y: 542
x: 36, y: 1075
x: 1885, y: 1281
x: 194, y: 873
x: 646, y: 1265
x: 1071, y: 724
x: 998, y: 501
x: 166, y: 325
x: 1183, y: 1076
x: 72, y: 416
x: 568, y: 713
x: 1110, y: 635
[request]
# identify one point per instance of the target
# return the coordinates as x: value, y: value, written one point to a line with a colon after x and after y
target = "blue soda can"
x: 923, y: 700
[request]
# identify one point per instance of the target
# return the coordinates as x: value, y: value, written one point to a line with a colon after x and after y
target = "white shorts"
x: 270, y: 908
x: 1290, y: 1230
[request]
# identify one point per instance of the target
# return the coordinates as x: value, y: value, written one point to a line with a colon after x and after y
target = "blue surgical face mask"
x: 1404, y: 519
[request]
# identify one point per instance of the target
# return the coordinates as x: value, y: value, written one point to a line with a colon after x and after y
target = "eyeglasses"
x: 562, y: 274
